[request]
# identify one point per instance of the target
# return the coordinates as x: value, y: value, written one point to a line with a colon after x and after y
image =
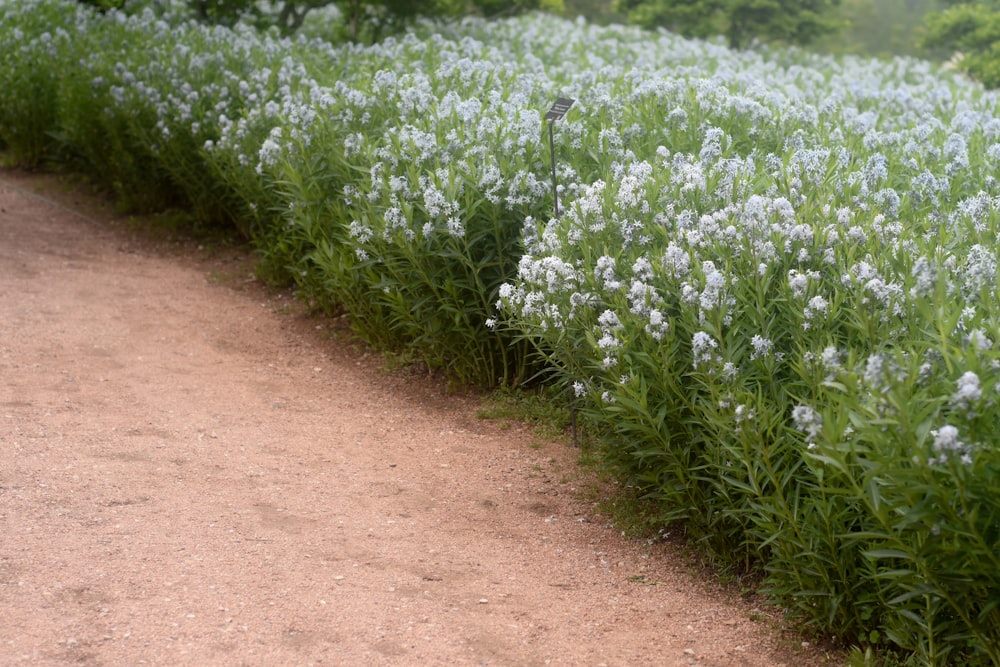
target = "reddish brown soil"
x: 193, y: 472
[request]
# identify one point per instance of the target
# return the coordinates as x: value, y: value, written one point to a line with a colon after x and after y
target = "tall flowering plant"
x: 798, y: 361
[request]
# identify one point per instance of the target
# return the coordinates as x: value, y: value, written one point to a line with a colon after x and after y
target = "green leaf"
x: 888, y: 553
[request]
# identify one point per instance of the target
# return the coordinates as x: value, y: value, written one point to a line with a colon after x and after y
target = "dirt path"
x: 193, y: 474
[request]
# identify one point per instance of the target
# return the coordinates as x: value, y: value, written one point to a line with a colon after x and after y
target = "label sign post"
x: 557, y: 111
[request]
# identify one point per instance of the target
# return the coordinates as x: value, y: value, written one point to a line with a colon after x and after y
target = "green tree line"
x: 967, y: 32
x: 971, y: 32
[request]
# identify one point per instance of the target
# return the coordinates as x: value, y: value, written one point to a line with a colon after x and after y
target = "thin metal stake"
x: 572, y: 420
x: 557, y: 111
x: 555, y: 187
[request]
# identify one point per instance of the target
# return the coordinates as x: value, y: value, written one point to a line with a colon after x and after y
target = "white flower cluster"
x: 810, y: 422
x: 947, y: 445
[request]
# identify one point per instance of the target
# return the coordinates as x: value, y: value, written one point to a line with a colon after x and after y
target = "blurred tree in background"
x: 105, y: 4
x: 601, y: 12
x: 879, y: 28
x: 363, y: 20
x: 971, y: 32
x: 741, y: 21
x: 965, y: 31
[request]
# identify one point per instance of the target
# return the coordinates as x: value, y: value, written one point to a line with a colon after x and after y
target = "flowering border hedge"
x: 775, y: 280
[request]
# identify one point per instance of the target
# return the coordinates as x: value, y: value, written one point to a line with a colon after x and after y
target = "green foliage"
x: 881, y: 28
x: 105, y: 4
x: 29, y: 106
x: 408, y: 246
x: 595, y: 11
x: 543, y: 408
x: 741, y: 21
x: 224, y: 12
x: 972, y: 31
x: 368, y: 20
x: 359, y: 20
x: 773, y: 286
x: 498, y: 8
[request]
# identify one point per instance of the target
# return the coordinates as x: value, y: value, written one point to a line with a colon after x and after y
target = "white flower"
x: 968, y: 391
x: 799, y: 282
x: 604, y: 272
x: 715, y: 282
x: 946, y: 439
x: 269, y: 150
x: 831, y: 361
x: 808, y: 421
x: 361, y: 232
x: 703, y: 347
x: 643, y: 269
x: 608, y: 342
x: 642, y: 296
x: 609, y: 321
x: 924, y: 276
x: 677, y: 261
x: 816, y: 306
x: 875, y: 371
x: 761, y: 347
x: 947, y: 444
x: 979, y: 340
x: 980, y: 269
x: 435, y: 203
x: 742, y: 413
x: 657, y: 325
x: 455, y: 227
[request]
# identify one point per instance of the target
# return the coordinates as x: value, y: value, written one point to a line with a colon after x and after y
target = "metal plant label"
x: 559, y: 109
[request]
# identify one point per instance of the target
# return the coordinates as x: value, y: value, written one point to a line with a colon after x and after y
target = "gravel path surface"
x: 192, y: 472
